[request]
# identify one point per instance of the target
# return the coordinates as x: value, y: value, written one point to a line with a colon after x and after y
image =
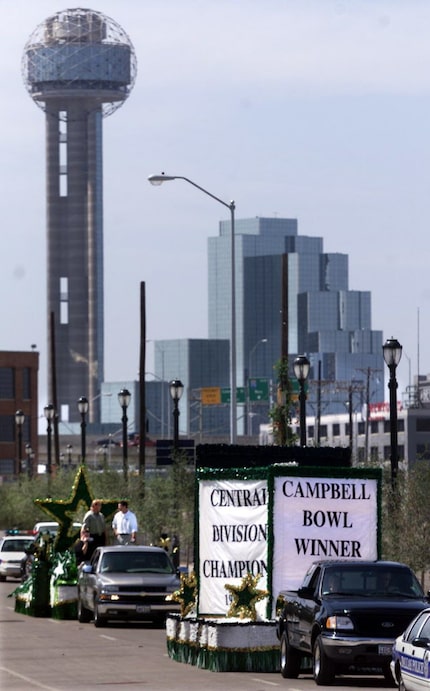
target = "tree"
x: 281, y: 413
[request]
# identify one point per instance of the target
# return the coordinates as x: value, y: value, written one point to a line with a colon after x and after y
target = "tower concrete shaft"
x: 75, y: 251
x: 78, y: 66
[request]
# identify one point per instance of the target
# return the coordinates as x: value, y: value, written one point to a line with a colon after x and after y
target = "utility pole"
x: 368, y: 371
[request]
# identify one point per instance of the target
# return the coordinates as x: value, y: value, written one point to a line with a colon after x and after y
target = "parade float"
x: 50, y: 589
x: 257, y: 530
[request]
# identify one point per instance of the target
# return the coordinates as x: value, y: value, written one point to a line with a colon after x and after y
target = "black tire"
x: 99, y: 621
x: 386, y: 670
x: 84, y: 614
x: 323, y: 669
x: 290, y: 659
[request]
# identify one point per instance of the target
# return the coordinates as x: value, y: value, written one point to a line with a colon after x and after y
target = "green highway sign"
x: 258, y: 389
x: 240, y: 395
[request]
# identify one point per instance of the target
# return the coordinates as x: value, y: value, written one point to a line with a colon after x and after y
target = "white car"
x: 12, y: 553
x: 411, y: 655
x: 50, y: 527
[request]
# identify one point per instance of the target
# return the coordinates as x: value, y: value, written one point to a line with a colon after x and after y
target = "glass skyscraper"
x: 291, y: 298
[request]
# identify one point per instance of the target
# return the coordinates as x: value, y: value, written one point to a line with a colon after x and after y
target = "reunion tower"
x: 78, y: 66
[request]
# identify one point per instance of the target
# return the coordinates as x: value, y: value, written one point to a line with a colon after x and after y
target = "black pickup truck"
x: 345, y: 617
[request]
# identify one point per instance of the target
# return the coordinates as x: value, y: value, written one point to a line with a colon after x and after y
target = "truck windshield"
x: 372, y: 580
x: 135, y: 562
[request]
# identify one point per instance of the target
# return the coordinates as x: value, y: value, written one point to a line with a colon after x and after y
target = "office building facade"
x: 293, y: 298
x: 199, y: 364
x: 18, y: 392
x: 370, y: 438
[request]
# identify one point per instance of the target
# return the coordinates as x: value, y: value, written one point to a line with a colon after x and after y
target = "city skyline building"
x: 198, y: 363
x: 78, y: 66
x: 295, y: 298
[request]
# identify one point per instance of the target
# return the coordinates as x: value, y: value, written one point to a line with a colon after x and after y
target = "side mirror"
x: 87, y: 568
x: 421, y: 642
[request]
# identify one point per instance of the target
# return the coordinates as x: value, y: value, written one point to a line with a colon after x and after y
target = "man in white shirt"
x: 124, y: 524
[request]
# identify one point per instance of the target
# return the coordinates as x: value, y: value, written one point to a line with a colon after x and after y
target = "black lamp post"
x: 19, y: 421
x: 301, y: 371
x: 49, y: 412
x: 124, y: 397
x: 392, y: 354
x: 176, y: 391
x: 83, y: 406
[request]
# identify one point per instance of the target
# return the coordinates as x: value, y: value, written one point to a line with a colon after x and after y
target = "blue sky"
x: 311, y: 109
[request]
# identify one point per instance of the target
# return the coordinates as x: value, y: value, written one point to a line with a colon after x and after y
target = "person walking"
x: 124, y: 524
x: 95, y: 522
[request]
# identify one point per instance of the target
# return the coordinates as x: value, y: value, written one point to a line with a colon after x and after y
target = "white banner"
x: 233, y: 535
x: 321, y: 518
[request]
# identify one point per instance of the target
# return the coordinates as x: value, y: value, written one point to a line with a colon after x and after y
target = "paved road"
x: 42, y: 653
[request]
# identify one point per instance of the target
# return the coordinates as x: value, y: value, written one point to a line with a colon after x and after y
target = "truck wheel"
x: 290, y: 659
x: 84, y: 614
x: 98, y: 620
x: 323, y: 669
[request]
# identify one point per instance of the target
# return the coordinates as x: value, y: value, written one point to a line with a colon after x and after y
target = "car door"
x: 88, y: 579
x: 414, y: 655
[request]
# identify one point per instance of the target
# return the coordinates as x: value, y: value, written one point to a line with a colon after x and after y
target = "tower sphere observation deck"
x: 78, y: 66
x: 79, y: 53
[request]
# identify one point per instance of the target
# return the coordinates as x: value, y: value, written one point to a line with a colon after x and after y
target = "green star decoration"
x: 245, y: 596
x: 187, y: 593
x: 64, y: 511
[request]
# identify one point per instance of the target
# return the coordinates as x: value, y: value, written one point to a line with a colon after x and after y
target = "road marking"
x: 109, y: 638
x: 31, y: 682
x: 263, y: 681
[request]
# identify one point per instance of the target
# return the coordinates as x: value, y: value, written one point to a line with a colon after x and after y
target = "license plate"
x: 143, y: 609
x: 385, y: 649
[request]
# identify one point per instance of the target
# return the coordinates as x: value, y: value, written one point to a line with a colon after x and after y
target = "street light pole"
x: 392, y: 351
x: 124, y: 397
x: 83, y: 406
x: 301, y: 370
x: 158, y: 180
x: 19, y: 421
x: 176, y: 391
x: 251, y: 353
x: 49, y: 412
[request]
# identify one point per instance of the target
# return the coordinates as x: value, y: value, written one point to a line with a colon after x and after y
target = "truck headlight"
x: 339, y: 622
x: 109, y: 592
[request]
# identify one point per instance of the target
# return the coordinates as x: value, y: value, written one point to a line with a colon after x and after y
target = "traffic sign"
x: 211, y: 395
x: 240, y: 395
x: 258, y: 389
